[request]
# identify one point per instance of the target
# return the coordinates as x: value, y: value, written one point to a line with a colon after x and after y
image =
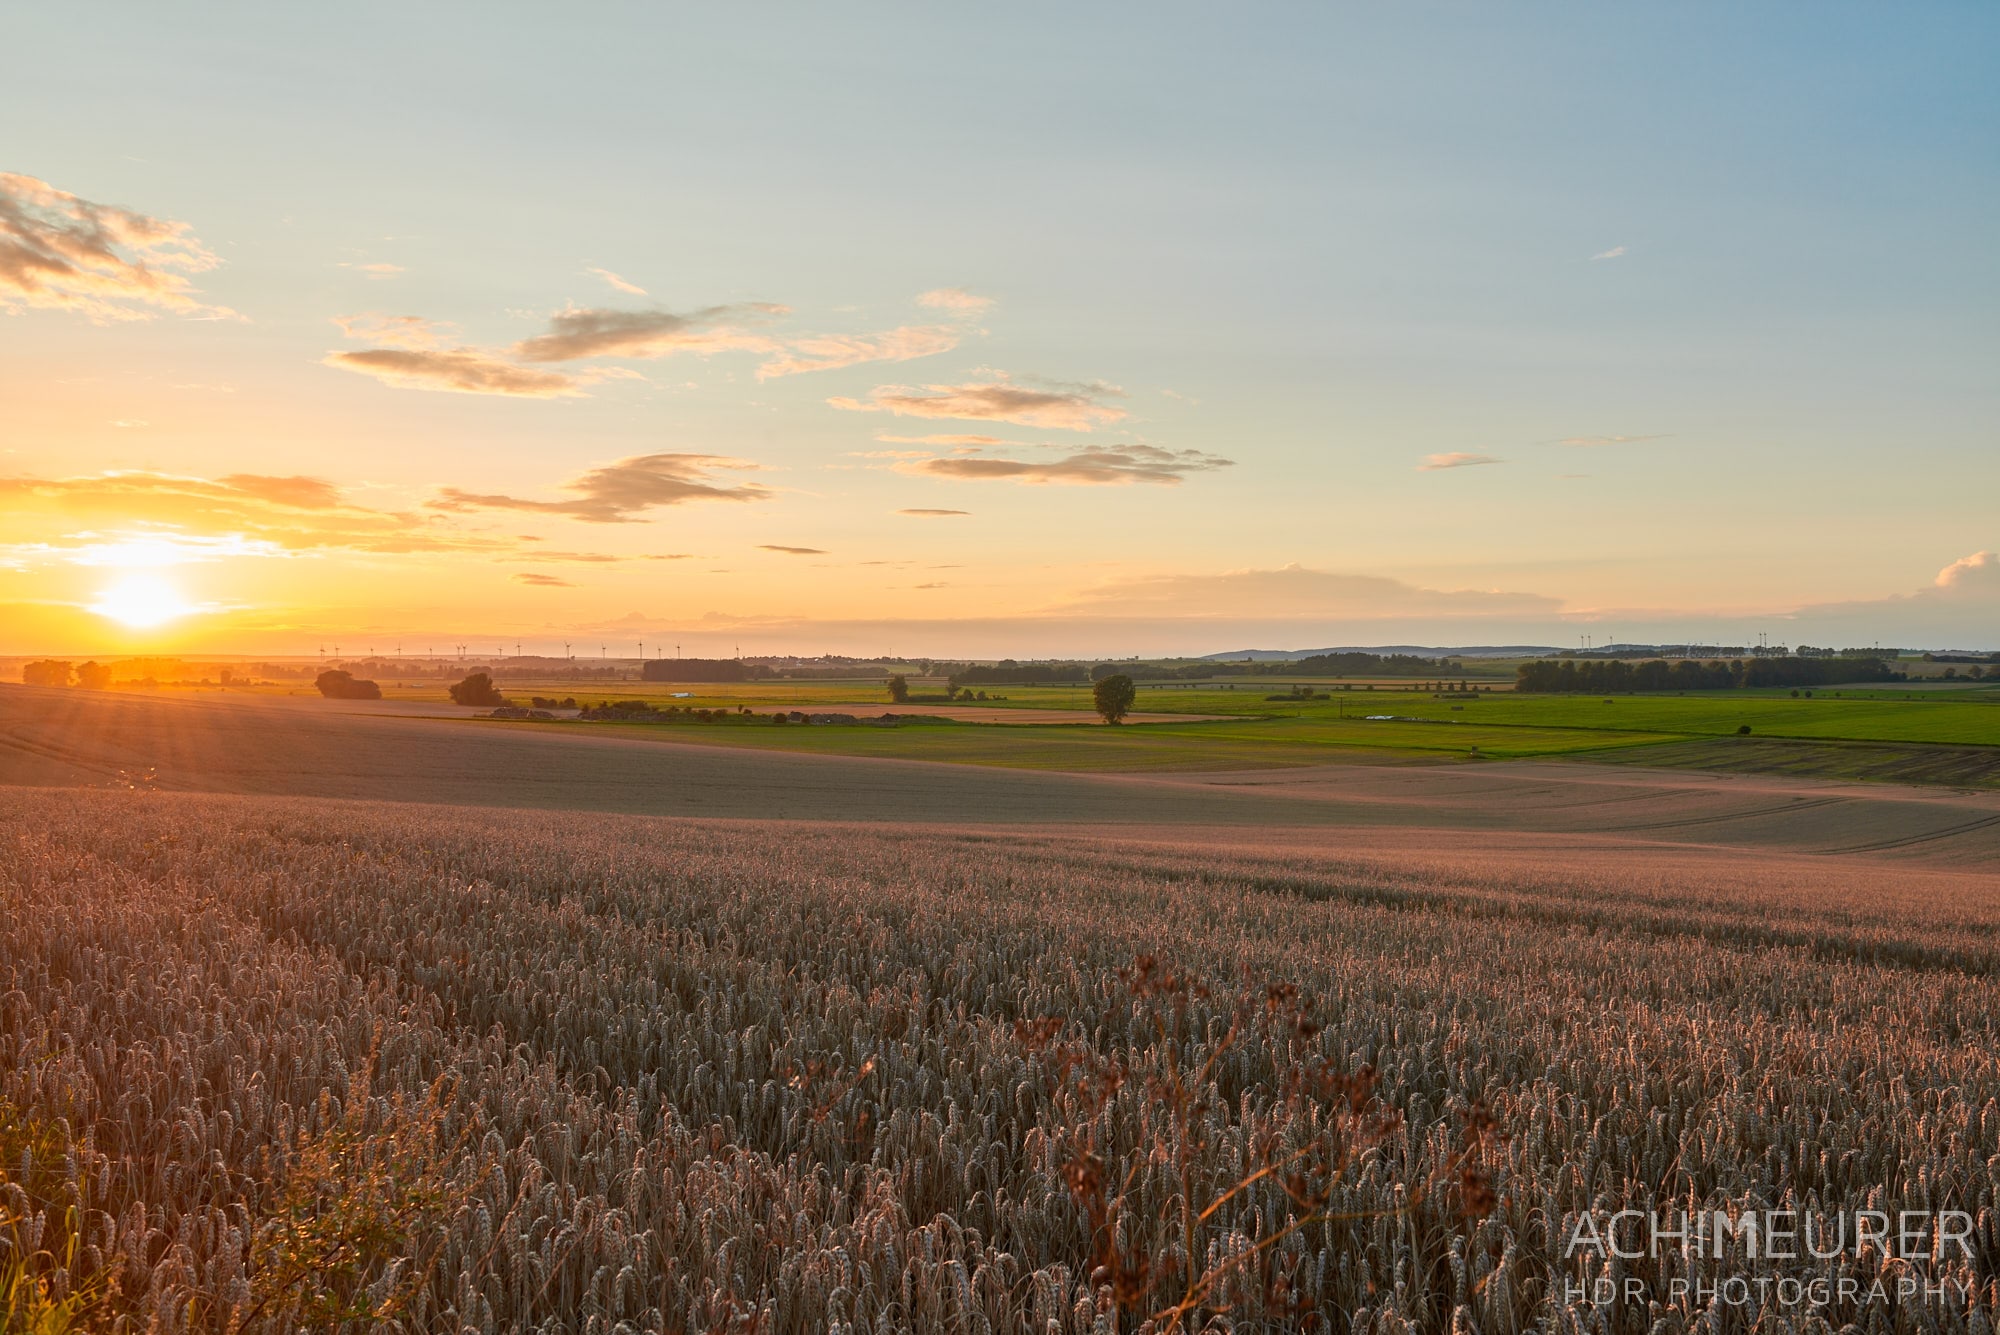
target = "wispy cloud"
x: 375, y: 270
x: 1616, y: 252
x: 419, y: 355
x: 164, y: 512
x: 541, y: 581
x: 832, y: 351
x: 61, y: 252
x: 943, y: 440
x: 932, y: 514
x: 1457, y: 459
x: 621, y: 492
x: 584, y: 332
x: 1063, y: 406
x: 615, y: 281
x: 599, y: 558
x: 956, y: 300
x: 1109, y: 465
x: 459, y: 370
x: 137, y: 549
x: 789, y: 551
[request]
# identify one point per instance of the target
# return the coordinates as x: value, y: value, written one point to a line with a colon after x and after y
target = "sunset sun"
x: 142, y: 601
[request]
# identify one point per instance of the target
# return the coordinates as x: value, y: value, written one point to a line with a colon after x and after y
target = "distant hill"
x: 1423, y: 650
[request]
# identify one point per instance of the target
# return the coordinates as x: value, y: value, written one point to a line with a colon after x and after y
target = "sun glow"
x: 142, y: 601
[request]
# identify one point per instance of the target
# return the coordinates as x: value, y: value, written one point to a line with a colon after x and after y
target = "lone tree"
x: 1114, y: 696
x: 899, y: 689
x: 477, y: 689
x: 337, y: 685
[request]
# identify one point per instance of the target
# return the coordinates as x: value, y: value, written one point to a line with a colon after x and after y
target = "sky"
x: 1047, y: 331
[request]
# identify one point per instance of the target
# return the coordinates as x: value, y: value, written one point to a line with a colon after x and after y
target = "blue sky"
x: 1697, y: 305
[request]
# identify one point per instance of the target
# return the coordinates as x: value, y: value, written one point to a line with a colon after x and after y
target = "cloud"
x: 542, y: 581
x: 1067, y: 407
x: 582, y: 332
x: 301, y: 493
x: 833, y: 351
x: 619, y: 493
x: 619, y: 283
x: 1107, y: 465
x: 398, y: 331
x: 458, y: 370
x: 60, y: 252
x: 1456, y: 459
x: 133, y: 549
x: 1294, y: 590
x: 418, y: 355
x: 1591, y: 442
x: 932, y: 514
x: 943, y: 440
x: 597, y: 558
x: 956, y: 300
x: 1979, y: 572
x: 1616, y: 252
x: 790, y: 551
x: 375, y: 270
x: 160, y: 512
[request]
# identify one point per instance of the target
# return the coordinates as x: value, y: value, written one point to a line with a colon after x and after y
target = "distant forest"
x: 1007, y: 672
x: 1598, y: 676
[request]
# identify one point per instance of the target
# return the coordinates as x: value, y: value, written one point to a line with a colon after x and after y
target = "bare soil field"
x: 271, y: 1064
x: 1877, y: 762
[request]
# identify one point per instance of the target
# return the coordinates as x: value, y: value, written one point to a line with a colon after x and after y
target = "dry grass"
x: 272, y: 1064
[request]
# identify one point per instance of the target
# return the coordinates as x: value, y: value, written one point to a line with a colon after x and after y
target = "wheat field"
x: 272, y: 1064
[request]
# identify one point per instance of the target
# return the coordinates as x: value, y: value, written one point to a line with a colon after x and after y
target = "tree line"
x: 1601, y: 676
x: 702, y: 669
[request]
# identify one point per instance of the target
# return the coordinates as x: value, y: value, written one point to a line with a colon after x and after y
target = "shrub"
x: 337, y: 685
x: 477, y: 689
x: 899, y: 689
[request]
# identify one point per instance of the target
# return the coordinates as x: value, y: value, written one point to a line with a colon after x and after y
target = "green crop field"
x: 1963, y: 718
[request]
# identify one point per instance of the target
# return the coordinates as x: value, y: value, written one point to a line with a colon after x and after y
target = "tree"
x: 337, y: 685
x: 48, y: 672
x: 477, y: 689
x: 1113, y: 696
x: 94, y: 676
x: 899, y: 689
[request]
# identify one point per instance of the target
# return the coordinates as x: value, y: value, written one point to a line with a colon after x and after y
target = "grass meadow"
x: 270, y: 1064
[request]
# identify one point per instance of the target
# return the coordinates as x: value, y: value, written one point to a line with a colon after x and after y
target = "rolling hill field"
x: 316, y: 1017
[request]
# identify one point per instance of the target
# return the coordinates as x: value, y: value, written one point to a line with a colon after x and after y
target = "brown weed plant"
x: 1175, y: 1266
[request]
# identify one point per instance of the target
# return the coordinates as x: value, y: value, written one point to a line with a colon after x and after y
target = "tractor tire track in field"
x: 1907, y: 841
x: 1786, y: 809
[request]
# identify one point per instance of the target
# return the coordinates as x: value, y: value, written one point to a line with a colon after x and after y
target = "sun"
x: 142, y: 601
